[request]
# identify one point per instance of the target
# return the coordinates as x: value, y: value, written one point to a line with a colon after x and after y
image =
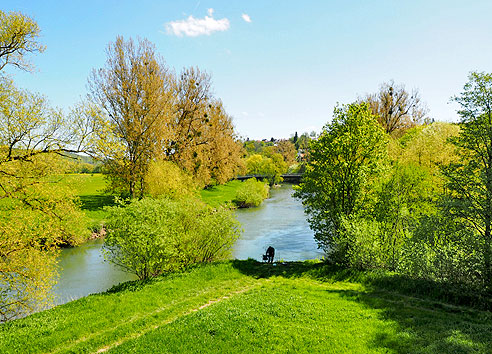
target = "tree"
x: 395, y: 108
x: 152, y: 236
x: 203, y: 141
x: 36, y: 213
x: 285, y: 148
x: 18, y: 37
x: 165, y: 178
x: 251, y: 193
x: 303, y: 142
x: 294, y: 139
x: 272, y: 167
x: 342, y: 163
x: 133, y: 95
x: 469, y: 182
x: 428, y: 145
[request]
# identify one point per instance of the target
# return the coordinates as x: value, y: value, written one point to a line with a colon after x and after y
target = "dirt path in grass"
x: 183, y: 314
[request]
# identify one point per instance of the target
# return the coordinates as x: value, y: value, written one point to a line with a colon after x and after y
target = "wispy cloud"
x: 246, y: 18
x: 193, y: 27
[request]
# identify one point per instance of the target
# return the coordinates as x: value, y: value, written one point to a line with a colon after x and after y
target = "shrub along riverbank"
x: 245, y: 306
x: 91, y: 189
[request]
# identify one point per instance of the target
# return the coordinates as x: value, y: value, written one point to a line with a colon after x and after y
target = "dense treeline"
x: 397, y: 194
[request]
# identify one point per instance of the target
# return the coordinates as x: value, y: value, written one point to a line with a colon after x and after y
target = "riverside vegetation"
x: 400, y: 204
x: 245, y: 306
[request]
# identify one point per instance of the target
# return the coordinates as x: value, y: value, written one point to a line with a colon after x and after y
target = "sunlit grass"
x: 244, y: 306
x: 91, y: 189
x: 222, y: 194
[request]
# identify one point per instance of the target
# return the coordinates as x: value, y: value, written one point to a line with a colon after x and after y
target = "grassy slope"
x: 221, y: 194
x: 243, y: 306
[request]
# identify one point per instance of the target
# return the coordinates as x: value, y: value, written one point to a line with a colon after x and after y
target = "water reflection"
x: 279, y: 222
x: 83, y: 271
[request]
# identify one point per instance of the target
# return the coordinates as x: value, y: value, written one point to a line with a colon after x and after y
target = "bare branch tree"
x: 396, y: 108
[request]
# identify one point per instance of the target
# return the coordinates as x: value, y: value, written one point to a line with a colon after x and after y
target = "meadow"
x: 91, y: 189
x: 245, y: 306
x: 222, y: 194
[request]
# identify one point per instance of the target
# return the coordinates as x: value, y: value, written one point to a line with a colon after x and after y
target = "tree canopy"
x: 396, y: 108
x: 469, y: 181
x: 19, y: 36
x: 342, y: 162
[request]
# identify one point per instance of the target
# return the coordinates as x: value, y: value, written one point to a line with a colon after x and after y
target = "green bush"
x: 152, y: 236
x: 165, y: 178
x: 443, y: 249
x: 251, y: 193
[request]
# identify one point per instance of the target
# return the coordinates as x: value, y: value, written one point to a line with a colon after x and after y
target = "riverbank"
x: 245, y: 306
x: 279, y: 222
x: 91, y: 189
x: 240, y: 194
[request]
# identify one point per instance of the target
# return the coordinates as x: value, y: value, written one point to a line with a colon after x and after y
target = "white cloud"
x: 193, y: 27
x: 246, y: 18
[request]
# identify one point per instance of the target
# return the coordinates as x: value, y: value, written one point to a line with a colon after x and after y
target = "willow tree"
x: 132, y: 92
x: 19, y: 36
x: 36, y: 213
x: 469, y: 182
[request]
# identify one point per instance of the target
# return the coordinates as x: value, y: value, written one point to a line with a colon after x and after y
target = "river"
x: 279, y: 222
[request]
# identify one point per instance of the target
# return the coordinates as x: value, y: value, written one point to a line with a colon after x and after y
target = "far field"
x: 91, y: 188
x: 245, y: 307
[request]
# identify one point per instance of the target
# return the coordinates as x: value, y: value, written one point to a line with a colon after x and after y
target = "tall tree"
x: 342, y: 161
x: 36, y: 213
x: 469, y: 182
x: 133, y: 94
x: 395, y: 108
x: 18, y: 37
x: 285, y: 148
x: 202, y: 140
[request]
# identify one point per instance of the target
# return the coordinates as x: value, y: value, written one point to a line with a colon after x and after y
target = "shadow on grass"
x: 96, y: 202
x: 428, y: 315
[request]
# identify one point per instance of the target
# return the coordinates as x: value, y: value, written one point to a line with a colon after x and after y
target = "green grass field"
x: 91, y: 190
x: 220, y: 195
x: 243, y: 307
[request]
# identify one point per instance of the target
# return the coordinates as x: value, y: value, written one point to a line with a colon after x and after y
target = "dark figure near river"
x: 270, y: 253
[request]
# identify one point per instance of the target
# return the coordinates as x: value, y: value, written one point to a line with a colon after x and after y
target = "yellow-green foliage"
x: 166, y: 178
x: 18, y: 36
x: 152, y: 236
x: 251, y: 193
x: 36, y: 213
x: 428, y: 146
x: 272, y: 167
x: 41, y: 215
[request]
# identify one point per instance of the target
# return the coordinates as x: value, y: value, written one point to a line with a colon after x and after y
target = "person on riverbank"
x: 270, y: 253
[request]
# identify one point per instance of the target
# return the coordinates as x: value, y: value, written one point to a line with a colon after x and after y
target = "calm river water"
x: 279, y: 222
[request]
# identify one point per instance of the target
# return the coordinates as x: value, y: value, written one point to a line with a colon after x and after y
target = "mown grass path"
x: 242, y: 306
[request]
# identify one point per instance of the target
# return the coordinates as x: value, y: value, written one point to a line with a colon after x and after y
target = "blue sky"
x: 285, y: 69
